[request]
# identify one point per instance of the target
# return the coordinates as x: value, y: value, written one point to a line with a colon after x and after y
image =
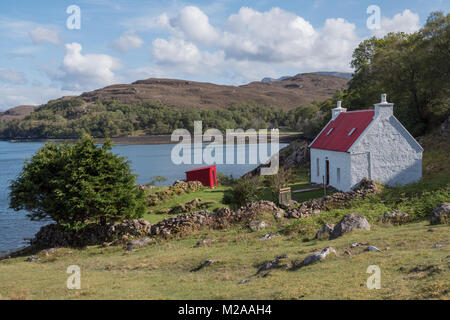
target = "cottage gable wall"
x: 393, y: 156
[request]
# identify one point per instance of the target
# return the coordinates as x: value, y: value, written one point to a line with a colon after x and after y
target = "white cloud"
x: 38, y: 33
x: 43, y: 34
x: 12, y: 97
x: 175, y: 51
x: 127, y: 42
x: 12, y: 76
x: 406, y: 21
x: 86, y: 72
x: 253, y: 43
x: 181, y: 56
x: 193, y: 23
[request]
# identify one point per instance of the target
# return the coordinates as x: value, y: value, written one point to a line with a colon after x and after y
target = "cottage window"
x: 338, y: 175
x: 330, y: 131
x: 351, y: 131
x: 317, y: 167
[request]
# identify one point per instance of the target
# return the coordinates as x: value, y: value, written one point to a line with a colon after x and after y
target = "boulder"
x: 204, y: 242
x: 268, y: 265
x: 138, y: 243
x: 204, y: 264
x: 352, y: 221
x: 396, y: 217
x: 372, y: 249
x: 257, y: 225
x: 441, y: 214
x: 315, y: 257
x: 324, y: 232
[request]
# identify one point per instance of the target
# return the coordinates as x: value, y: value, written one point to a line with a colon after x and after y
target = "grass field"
x: 411, y: 267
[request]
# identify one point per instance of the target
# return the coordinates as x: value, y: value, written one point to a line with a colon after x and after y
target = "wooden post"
x: 284, y: 195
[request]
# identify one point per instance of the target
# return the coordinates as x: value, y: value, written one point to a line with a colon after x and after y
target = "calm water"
x: 146, y: 161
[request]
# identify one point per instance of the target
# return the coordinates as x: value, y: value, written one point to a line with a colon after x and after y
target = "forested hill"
x: 158, y: 106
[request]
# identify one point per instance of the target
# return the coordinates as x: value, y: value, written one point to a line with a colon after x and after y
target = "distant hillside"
x: 287, y: 94
x: 345, y: 75
x: 159, y: 106
x: 16, y: 113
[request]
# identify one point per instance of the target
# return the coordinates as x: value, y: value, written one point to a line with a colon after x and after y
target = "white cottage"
x: 365, y: 143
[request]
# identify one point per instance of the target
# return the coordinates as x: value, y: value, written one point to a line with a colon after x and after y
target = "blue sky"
x: 225, y: 42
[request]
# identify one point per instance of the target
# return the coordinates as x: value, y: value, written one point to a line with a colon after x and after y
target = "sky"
x: 48, y: 50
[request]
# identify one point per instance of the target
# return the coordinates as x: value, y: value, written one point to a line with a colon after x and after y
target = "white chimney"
x: 336, y: 111
x: 384, y: 109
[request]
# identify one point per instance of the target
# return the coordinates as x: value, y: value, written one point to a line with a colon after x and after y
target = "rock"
x: 313, y: 207
x: 257, y: 225
x: 204, y: 264
x: 288, y: 204
x: 372, y: 248
x: 32, y: 258
x: 352, y: 221
x: 396, y: 217
x: 222, y: 218
x: 354, y: 245
x: 268, y: 265
x: 204, y: 242
x: 268, y: 236
x: 245, y: 281
x: 278, y: 214
x: 324, y: 232
x: 348, y: 252
x: 437, y: 245
x: 317, y: 256
x: 441, y: 214
x: 283, y: 256
x: 139, y: 243
x: 445, y: 127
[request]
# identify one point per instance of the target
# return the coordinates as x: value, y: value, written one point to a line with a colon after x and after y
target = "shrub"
x: 224, y: 179
x: 77, y: 184
x: 277, y: 181
x: 244, y: 191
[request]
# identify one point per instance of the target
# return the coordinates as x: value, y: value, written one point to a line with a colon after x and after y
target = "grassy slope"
x: 410, y: 269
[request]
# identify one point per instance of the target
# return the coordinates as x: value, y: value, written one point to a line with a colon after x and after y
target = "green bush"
x: 244, y: 191
x: 77, y: 184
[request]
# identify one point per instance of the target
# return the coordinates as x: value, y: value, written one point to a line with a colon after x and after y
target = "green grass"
x: 162, y: 270
x: 206, y: 194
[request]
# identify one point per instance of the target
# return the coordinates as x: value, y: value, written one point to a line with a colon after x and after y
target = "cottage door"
x: 327, y: 171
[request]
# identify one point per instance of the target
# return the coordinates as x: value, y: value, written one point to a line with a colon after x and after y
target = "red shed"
x: 206, y: 175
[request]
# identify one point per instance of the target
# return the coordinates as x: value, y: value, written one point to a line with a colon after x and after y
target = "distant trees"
x: 77, y: 184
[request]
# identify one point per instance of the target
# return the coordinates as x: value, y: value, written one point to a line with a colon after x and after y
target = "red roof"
x: 339, y: 139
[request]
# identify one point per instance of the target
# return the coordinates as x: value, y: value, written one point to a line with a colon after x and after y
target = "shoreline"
x: 148, y: 139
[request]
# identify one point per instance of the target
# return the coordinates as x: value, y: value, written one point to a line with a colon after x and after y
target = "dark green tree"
x: 77, y: 184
